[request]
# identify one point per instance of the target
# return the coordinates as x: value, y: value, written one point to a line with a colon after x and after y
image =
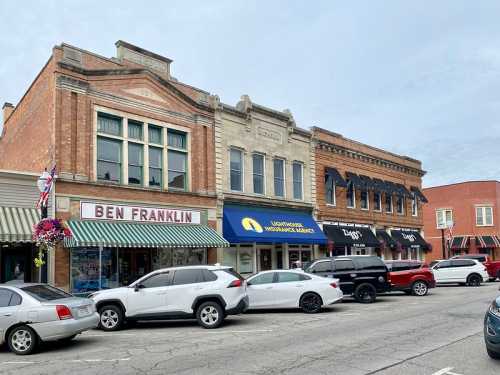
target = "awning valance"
x: 354, y: 179
x: 383, y: 236
x: 459, y: 242
x: 367, y: 181
x: 342, y: 235
x: 247, y: 224
x: 416, y: 191
x: 402, y: 191
x: 487, y: 241
x: 335, y: 175
x: 380, y: 186
x: 16, y: 224
x: 408, y: 238
x: 124, y: 234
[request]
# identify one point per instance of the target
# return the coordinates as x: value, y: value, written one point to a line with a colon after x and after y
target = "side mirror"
x: 138, y: 287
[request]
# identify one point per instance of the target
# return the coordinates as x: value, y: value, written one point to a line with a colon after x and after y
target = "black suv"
x: 362, y: 276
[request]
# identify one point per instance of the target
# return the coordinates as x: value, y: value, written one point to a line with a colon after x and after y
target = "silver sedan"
x: 32, y: 313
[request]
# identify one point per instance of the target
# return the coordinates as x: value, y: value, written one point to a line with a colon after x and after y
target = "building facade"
x: 266, y: 188
x: 368, y: 200
x: 134, y: 150
x: 463, y: 218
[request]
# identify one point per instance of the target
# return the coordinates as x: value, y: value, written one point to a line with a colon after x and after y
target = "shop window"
x: 279, y: 177
x: 330, y: 189
x: 400, y: 205
x: 236, y: 169
x: 414, y: 206
x: 109, y: 125
x: 157, y: 281
x: 155, y: 134
x: 87, y: 265
x: 388, y: 203
x: 297, y: 169
x: 135, y: 130
x: 377, y: 201
x: 230, y: 257
x: 155, y: 166
x: 444, y: 218
x: 364, y: 200
x: 135, y: 163
x: 109, y: 156
x: 350, y: 195
x: 484, y: 216
x: 177, y: 163
x: 258, y: 173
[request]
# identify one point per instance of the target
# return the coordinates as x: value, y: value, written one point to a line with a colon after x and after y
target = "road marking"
x: 17, y: 363
x: 445, y: 371
x: 247, y: 331
x: 109, y: 334
x: 99, y: 360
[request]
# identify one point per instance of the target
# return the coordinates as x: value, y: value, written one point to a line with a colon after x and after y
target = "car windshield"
x: 433, y: 263
x: 45, y: 292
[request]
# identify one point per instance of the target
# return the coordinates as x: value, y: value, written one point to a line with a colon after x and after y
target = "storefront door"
x: 298, y: 255
x: 134, y: 263
x: 266, y: 262
x: 16, y: 264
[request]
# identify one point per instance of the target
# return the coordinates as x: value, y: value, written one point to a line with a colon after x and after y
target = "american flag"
x: 44, y: 195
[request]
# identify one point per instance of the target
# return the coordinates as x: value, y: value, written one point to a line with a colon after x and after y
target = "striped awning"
x: 487, y: 241
x: 460, y: 242
x: 16, y: 224
x: 125, y: 234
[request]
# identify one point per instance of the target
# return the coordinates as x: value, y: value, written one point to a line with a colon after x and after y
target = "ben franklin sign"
x: 99, y: 211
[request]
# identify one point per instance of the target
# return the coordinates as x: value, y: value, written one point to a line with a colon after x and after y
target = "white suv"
x: 461, y: 271
x: 207, y: 293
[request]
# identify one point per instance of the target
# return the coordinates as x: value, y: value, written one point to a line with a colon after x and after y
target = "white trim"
x: 380, y: 201
x: 403, y: 204
x: 301, y: 180
x: 367, y: 200
x: 385, y: 204
x: 284, y: 178
x: 483, y: 209
x: 414, y: 200
x: 263, y: 155
x: 443, y: 210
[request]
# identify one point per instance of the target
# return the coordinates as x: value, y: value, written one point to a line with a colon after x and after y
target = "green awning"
x: 16, y: 224
x: 126, y: 234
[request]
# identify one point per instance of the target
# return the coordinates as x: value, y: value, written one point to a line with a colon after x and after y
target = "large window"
x: 109, y: 159
x: 414, y: 206
x: 330, y: 189
x: 155, y: 166
x: 444, y: 218
x: 400, y: 205
x: 135, y: 163
x: 279, y: 177
x: 236, y: 169
x: 388, y: 203
x: 484, y: 216
x: 297, y: 180
x: 377, y: 201
x: 258, y: 173
x: 177, y: 160
x: 350, y: 195
x: 364, y: 200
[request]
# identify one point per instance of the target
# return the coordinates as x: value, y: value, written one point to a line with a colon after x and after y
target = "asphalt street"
x: 434, y: 335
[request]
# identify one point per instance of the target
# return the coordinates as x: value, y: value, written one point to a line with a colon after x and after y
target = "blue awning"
x: 244, y: 224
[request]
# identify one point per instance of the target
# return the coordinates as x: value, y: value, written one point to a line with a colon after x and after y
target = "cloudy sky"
x: 417, y: 78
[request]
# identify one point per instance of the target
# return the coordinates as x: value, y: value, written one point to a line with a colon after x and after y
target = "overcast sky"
x: 418, y: 78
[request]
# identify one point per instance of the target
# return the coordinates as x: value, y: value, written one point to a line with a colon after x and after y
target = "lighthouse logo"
x: 250, y: 224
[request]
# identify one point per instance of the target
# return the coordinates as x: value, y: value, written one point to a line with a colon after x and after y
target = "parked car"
x: 362, y: 276
x: 492, y: 329
x: 492, y: 266
x: 459, y: 271
x: 410, y: 276
x: 292, y: 289
x: 35, y: 313
x: 207, y: 293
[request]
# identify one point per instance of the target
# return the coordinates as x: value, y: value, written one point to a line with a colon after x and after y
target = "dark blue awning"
x: 244, y: 224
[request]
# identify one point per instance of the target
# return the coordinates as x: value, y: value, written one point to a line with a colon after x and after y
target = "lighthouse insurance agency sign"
x: 114, y: 212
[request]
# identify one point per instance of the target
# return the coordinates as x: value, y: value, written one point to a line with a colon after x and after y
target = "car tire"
x: 110, y: 318
x: 210, y: 315
x: 492, y: 354
x: 22, y: 340
x: 419, y: 288
x: 474, y: 280
x: 365, y: 293
x: 311, y: 303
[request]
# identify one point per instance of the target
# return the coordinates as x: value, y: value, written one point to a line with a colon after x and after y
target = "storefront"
x: 350, y: 239
x: 113, y: 245
x: 266, y: 238
x: 487, y: 245
x: 411, y: 245
x: 459, y: 245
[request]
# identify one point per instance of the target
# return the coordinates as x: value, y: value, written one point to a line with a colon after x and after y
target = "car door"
x: 260, y: 290
x: 443, y: 272
x: 149, y: 296
x: 288, y: 288
x: 345, y: 271
x: 322, y: 268
x: 10, y: 303
x: 187, y: 285
x: 400, y: 275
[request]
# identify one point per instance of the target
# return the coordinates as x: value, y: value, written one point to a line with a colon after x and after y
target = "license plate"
x: 84, y: 311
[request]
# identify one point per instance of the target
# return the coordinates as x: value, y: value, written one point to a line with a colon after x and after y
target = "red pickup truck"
x: 410, y: 276
x: 492, y: 266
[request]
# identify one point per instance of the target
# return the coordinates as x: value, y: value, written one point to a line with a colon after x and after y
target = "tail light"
x: 63, y: 312
x: 333, y: 285
x: 235, y: 284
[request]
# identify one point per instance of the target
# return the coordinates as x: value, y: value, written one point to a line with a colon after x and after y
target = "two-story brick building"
x: 369, y: 200
x: 135, y: 161
x: 463, y: 218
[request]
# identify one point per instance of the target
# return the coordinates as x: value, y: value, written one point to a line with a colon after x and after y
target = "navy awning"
x: 408, y: 238
x: 335, y: 175
x: 342, y: 235
x: 246, y: 224
x: 369, y: 184
x: 383, y: 236
x: 402, y: 191
x: 416, y: 191
x: 354, y: 179
x: 380, y: 186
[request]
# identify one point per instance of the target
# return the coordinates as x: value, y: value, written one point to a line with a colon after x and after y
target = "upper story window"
x: 388, y: 203
x: 377, y: 201
x: 155, y: 135
x: 155, y: 167
x: 135, y: 130
x: 109, y: 125
x: 400, y: 205
x: 444, y: 218
x: 109, y: 159
x: 177, y: 159
x: 484, y: 216
x: 330, y: 189
x: 258, y: 173
x: 135, y: 163
x: 414, y: 206
x: 364, y: 202
x: 297, y: 180
x: 279, y: 177
x: 350, y: 195
x: 236, y: 169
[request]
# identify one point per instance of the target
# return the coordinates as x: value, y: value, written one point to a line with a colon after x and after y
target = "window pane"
x: 108, y: 149
x: 156, y: 281
x: 258, y: 164
x: 134, y: 175
x: 135, y: 130
x: 376, y: 201
x: 448, y: 217
x: 109, y: 125
x: 236, y: 181
x: 297, y: 180
x: 155, y: 177
x: 176, y: 139
x: 279, y: 174
x: 135, y: 154
x: 182, y: 277
x: 278, y: 168
x: 236, y: 169
x: 488, y: 215
x: 236, y: 156
x: 258, y: 173
x: 364, y: 200
x: 329, y: 190
x: 155, y: 135
x: 108, y: 171
x: 285, y: 277
x: 177, y: 161
x: 388, y: 203
x: 177, y: 180
x: 5, y: 296
x: 155, y: 159
x: 350, y: 194
x: 265, y: 278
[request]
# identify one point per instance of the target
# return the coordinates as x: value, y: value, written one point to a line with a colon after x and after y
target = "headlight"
x: 495, y: 309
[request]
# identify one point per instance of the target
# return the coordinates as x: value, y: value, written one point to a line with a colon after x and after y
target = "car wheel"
x: 365, y: 293
x: 111, y: 318
x: 210, y: 315
x: 419, y: 288
x: 310, y: 303
x: 22, y: 340
x: 492, y: 354
x: 474, y: 280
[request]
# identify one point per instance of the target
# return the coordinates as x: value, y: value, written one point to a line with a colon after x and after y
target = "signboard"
x: 113, y: 212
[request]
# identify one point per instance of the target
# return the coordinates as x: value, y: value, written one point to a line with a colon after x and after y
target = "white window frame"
x: 263, y: 173
x: 301, y: 164
x: 284, y: 178
x: 483, y: 209
x: 379, y: 201
x: 334, y: 198
x: 367, y: 200
x: 242, y: 172
x: 385, y: 204
x: 442, y: 212
x: 353, y: 196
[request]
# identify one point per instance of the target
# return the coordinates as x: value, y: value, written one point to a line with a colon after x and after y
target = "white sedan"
x: 292, y: 289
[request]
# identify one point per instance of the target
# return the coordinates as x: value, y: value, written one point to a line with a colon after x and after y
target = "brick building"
x: 471, y: 210
x: 368, y: 200
x: 135, y: 159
